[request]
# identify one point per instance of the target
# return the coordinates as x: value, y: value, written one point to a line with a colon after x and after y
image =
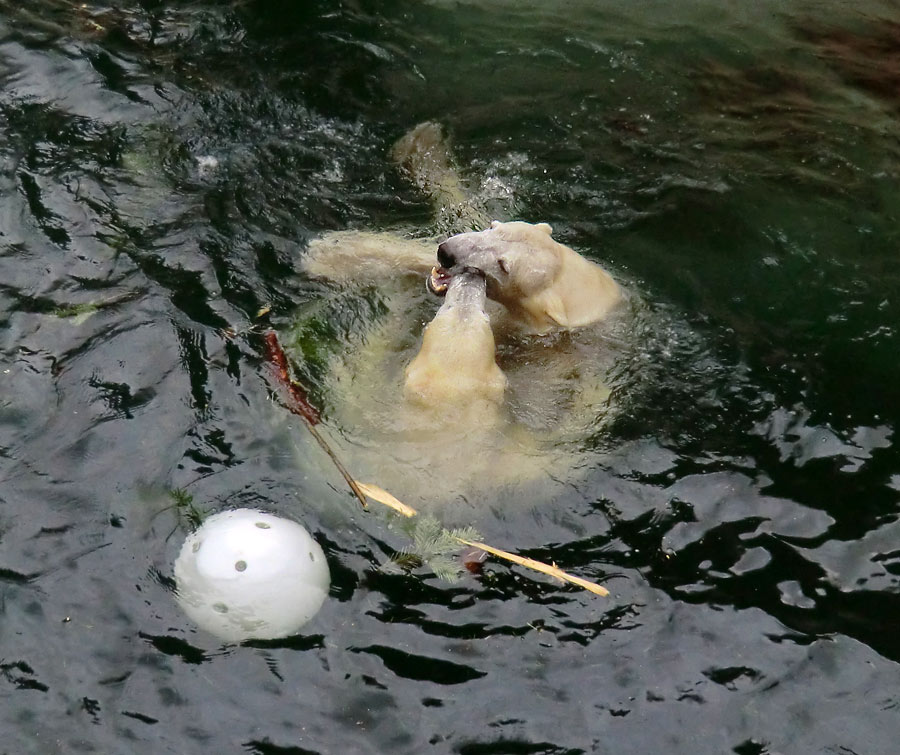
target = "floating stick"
x: 531, y: 563
x: 296, y: 402
x: 382, y: 496
x: 293, y: 393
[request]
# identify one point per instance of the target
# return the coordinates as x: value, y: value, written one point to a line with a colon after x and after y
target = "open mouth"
x: 438, y: 281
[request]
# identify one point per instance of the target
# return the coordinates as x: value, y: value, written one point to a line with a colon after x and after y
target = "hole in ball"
x: 240, y: 565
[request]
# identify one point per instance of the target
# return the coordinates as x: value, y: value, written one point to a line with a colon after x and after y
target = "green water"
x: 162, y: 169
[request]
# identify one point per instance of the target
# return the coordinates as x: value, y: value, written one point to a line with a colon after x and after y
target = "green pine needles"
x: 433, y: 546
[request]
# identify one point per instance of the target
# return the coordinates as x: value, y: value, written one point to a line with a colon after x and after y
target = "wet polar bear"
x: 454, y: 411
x: 542, y: 283
x: 455, y: 367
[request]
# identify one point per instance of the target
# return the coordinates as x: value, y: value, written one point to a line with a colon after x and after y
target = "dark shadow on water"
x: 411, y: 666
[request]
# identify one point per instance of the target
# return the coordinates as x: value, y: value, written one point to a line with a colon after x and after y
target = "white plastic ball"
x: 245, y: 574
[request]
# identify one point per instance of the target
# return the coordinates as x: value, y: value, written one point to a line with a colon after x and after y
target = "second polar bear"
x: 455, y: 372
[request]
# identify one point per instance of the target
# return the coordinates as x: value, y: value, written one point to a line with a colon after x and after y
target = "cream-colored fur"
x: 430, y: 415
x: 347, y: 257
x: 362, y: 257
x: 455, y: 373
x: 423, y: 155
x: 542, y: 283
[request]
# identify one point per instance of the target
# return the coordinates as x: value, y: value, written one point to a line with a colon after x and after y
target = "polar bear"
x: 542, y: 283
x: 455, y: 371
x: 489, y: 406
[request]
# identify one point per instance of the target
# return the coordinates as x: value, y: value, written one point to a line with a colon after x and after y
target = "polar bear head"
x: 517, y: 259
x: 541, y: 282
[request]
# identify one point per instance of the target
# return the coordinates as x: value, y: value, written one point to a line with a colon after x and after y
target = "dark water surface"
x: 162, y: 167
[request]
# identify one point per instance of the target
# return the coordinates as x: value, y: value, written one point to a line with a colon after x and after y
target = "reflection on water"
x: 162, y: 168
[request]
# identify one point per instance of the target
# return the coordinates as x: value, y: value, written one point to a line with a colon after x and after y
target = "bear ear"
x: 496, y: 224
x: 545, y: 227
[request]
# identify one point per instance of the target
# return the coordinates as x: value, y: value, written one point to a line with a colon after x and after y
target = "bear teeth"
x: 437, y: 281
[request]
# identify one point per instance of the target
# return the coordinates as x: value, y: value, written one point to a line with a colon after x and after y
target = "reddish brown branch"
x: 295, y: 400
x: 293, y: 394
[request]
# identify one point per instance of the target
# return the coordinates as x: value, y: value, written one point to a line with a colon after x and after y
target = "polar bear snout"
x: 467, y: 252
x: 445, y: 256
x: 462, y: 249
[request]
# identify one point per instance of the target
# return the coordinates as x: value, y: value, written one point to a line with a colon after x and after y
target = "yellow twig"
x: 553, y: 571
x: 382, y: 496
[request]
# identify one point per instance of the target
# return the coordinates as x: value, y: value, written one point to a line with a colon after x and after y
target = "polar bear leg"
x: 423, y: 155
x: 366, y: 257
